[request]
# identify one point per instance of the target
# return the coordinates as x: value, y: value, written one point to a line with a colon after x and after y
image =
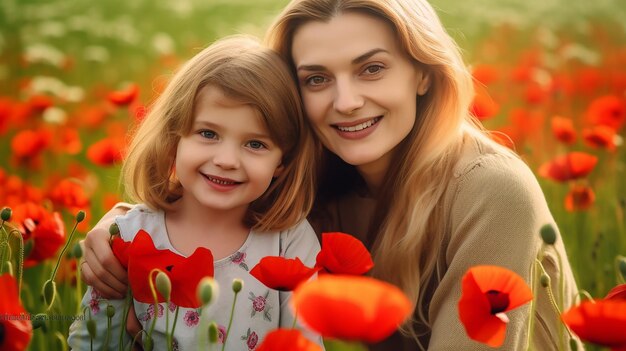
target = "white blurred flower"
x: 44, y: 53
x: 96, y: 53
x: 52, y: 29
x: 74, y: 94
x: 56, y: 87
x: 163, y: 43
x: 579, y: 52
x: 55, y: 115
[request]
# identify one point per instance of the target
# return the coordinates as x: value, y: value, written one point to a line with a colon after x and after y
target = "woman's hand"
x: 99, y: 267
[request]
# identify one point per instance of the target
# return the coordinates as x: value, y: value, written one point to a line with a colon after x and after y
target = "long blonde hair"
x: 408, y: 225
x: 253, y: 75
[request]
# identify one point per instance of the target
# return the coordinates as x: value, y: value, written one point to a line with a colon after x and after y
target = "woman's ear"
x: 423, y: 81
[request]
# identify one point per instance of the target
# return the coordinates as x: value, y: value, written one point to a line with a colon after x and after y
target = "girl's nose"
x: 227, y: 156
x: 347, y: 97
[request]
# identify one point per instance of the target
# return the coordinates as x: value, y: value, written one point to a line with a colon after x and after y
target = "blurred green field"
x: 547, y: 57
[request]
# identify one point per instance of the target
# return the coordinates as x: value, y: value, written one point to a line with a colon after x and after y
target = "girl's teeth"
x: 221, y: 182
x: 358, y: 127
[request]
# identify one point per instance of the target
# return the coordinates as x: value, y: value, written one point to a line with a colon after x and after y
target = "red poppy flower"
x: 68, y: 141
x: 602, y: 323
x: 483, y: 106
x: 617, y: 293
x: 287, y: 340
x: 69, y: 194
x: 124, y: 96
x: 588, y: 81
x: 40, y: 102
x: 489, y: 292
x: 351, y: 307
x: 343, y: 254
x: 30, y: 143
x: 563, y: 130
x: 608, y: 110
x: 105, y: 152
x: 571, y: 166
x: 45, y: 230
x: 485, y: 74
x: 579, y: 198
x: 601, y: 137
x: 184, y: 273
x: 14, y: 324
x: 536, y: 93
x: 280, y: 273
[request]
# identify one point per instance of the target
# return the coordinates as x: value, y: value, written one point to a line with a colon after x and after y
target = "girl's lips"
x: 221, y: 184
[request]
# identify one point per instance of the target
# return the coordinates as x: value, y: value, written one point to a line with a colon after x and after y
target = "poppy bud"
x: 114, y: 229
x: 6, y: 214
x: 622, y: 266
x: 207, y: 290
x: 213, y: 333
x: 110, y: 311
x: 163, y: 285
x: 39, y: 321
x: 28, y: 247
x: 49, y: 292
x: 548, y: 234
x: 573, y: 345
x: 237, y: 285
x: 80, y: 216
x: 544, y: 280
x: 148, y: 343
x: 91, y: 328
x: 77, y: 251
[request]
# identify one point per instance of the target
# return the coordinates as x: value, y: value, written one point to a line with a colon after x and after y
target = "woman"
x: 406, y: 168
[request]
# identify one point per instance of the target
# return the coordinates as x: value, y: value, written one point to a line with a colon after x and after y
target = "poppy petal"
x: 287, y: 340
x: 602, y: 322
x: 280, y: 273
x: 618, y: 292
x: 343, y: 254
x: 351, y: 307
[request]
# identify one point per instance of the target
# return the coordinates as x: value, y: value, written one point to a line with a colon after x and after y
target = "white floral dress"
x: 258, y: 309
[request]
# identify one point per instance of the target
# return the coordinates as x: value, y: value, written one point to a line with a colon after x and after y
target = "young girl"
x: 222, y: 161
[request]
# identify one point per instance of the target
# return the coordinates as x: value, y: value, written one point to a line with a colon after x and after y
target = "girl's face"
x: 228, y: 160
x: 359, y: 88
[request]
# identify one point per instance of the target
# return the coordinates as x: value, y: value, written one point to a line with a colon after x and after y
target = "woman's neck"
x: 374, y: 173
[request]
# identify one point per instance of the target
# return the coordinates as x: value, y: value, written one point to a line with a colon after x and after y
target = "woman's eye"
x: 373, y: 69
x: 209, y: 134
x: 315, y: 80
x: 255, y: 144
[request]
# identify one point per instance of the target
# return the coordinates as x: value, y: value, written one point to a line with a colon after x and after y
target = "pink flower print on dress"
x: 251, y: 339
x: 221, y: 335
x: 260, y: 305
x: 171, y: 306
x: 239, y: 259
x: 94, y: 303
x: 149, y: 314
x: 191, y: 318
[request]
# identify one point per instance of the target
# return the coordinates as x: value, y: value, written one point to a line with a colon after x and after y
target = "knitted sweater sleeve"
x: 496, y: 209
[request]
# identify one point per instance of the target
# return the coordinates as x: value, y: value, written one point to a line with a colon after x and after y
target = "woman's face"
x: 359, y: 88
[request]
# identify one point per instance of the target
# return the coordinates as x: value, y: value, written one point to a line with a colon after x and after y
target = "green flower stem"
x: 586, y: 294
x: 175, y: 320
x: 67, y: 243
x: 555, y: 307
x: 230, y: 321
x: 107, y: 335
x: 168, y: 334
x: 295, y: 320
x: 156, y: 301
x: 534, y: 278
x: 620, y: 277
x: 128, y: 301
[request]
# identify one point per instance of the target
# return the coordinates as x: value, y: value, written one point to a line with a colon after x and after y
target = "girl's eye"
x: 315, y: 80
x: 255, y: 144
x: 209, y: 134
x: 373, y: 69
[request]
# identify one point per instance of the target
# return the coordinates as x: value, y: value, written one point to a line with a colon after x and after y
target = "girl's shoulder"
x: 140, y: 216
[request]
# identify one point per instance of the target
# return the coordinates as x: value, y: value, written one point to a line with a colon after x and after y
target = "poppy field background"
x: 75, y: 76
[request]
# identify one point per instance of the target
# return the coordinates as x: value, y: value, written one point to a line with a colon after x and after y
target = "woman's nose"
x: 347, y: 97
